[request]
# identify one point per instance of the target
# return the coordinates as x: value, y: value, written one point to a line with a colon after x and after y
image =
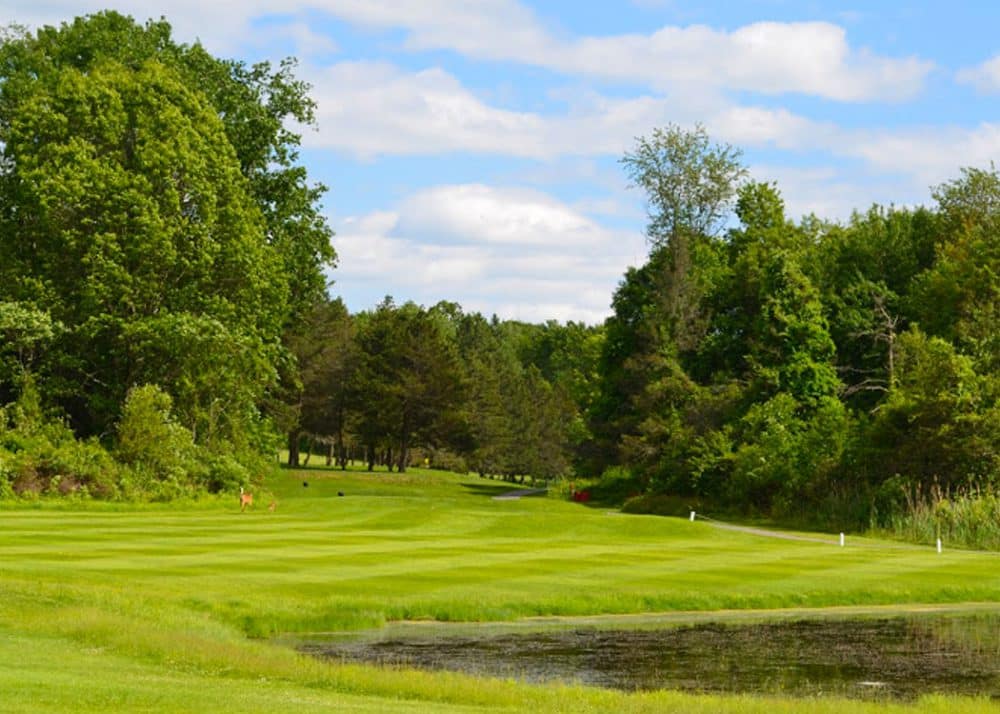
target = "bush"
x: 224, y: 472
x: 160, y: 452
x: 442, y: 459
x: 39, y: 455
x: 659, y: 504
x: 6, y: 489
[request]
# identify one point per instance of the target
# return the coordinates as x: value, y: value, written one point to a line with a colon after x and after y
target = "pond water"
x: 870, y: 657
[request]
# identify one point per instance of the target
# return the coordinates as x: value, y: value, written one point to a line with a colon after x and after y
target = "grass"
x: 170, y: 608
x: 970, y: 520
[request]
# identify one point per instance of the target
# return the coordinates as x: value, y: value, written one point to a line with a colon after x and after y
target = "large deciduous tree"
x: 150, y: 203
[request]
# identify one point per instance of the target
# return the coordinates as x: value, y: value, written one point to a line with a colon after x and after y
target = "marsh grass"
x: 968, y: 520
x: 167, y: 608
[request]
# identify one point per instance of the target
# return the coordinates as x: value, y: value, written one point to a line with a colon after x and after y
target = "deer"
x: 246, y: 499
x: 273, y: 506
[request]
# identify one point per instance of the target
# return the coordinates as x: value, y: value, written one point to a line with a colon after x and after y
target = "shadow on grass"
x: 489, y: 488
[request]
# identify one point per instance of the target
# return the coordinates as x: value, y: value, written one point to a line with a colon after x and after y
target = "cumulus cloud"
x: 374, y: 108
x: 497, y: 216
x: 517, y: 253
x: 773, y: 58
x: 812, y: 58
x: 804, y: 57
x: 929, y: 154
x: 984, y: 77
x: 370, y: 109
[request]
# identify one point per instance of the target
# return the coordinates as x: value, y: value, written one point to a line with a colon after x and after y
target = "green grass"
x: 105, y: 607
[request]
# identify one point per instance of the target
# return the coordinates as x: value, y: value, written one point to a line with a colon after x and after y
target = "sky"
x: 471, y: 147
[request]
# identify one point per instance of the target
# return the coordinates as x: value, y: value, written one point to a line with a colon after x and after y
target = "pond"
x: 868, y: 657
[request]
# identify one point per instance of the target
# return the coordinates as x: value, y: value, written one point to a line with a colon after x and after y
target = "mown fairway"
x: 110, y: 607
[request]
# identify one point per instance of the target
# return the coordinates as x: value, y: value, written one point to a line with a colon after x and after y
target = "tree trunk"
x: 341, y: 455
x: 293, y: 449
x: 309, y: 450
x: 403, y: 456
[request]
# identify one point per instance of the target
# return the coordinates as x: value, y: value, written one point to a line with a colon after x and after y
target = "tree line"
x: 837, y: 372
x: 402, y: 384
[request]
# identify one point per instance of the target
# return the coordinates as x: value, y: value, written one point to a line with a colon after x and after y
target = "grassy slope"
x: 147, y: 609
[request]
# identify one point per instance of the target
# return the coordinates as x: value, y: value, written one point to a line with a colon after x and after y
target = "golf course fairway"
x: 184, y: 607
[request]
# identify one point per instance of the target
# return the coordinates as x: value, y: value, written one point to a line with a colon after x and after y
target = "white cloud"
x: 984, y: 77
x: 748, y: 126
x: 517, y: 253
x: 813, y: 58
x: 773, y: 58
x: 306, y: 39
x: 496, y: 216
x: 373, y: 108
x: 370, y: 109
x: 928, y: 154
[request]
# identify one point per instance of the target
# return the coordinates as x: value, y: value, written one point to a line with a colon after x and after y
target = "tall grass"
x: 968, y: 520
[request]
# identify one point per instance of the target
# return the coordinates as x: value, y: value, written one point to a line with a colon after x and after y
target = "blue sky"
x: 471, y: 146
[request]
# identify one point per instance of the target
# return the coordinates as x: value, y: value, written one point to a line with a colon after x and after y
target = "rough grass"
x: 969, y: 520
x: 160, y: 609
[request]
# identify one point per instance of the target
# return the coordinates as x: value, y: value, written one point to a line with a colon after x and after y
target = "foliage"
x: 39, y: 455
x: 160, y: 451
x: 24, y: 332
x: 155, y: 228
x: 689, y: 182
x: 751, y: 362
x: 799, y: 370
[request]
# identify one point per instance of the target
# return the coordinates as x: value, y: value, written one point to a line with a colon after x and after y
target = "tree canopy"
x: 154, y: 224
x: 801, y: 369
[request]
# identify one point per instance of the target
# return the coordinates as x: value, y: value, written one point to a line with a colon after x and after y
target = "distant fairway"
x: 150, y: 607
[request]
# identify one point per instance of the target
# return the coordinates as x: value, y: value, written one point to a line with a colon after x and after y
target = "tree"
x: 938, y: 426
x: 792, y: 351
x: 24, y: 332
x: 257, y: 105
x: 690, y: 187
x: 490, y: 367
x: 149, y: 196
x: 326, y: 351
x: 409, y: 380
x: 866, y: 271
x: 689, y: 182
x: 958, y: 299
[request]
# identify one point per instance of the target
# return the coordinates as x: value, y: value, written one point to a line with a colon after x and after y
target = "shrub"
x: 159, y: 452
x: 224, y: 472
x: 6, y: 490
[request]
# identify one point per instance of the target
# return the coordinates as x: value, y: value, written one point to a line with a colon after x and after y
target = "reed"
x: 966, y: 519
